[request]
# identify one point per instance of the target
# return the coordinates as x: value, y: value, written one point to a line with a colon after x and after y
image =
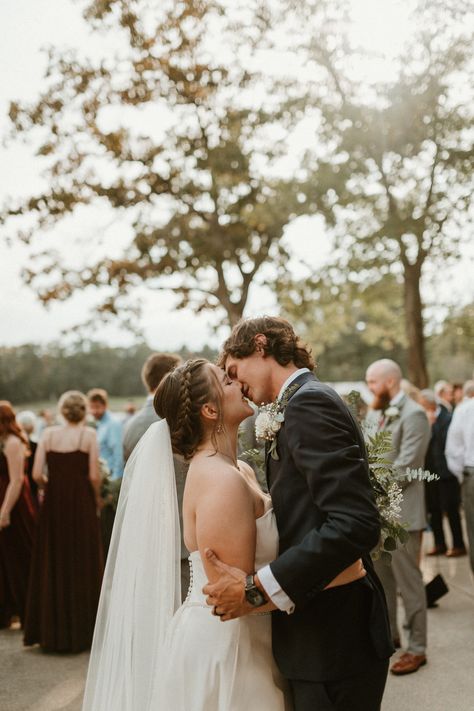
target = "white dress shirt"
x: 268, y: 581
x: 397, y: 398
x: 460, y: 439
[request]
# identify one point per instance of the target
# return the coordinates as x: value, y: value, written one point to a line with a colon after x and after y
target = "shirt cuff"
x: 274, y: 591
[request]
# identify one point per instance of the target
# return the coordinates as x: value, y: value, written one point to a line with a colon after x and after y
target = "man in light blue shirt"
x: 109, y: 432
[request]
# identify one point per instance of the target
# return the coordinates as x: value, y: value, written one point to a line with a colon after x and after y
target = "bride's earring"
x: 219, y: 429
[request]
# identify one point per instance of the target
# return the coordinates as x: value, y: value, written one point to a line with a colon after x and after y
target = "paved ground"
x: 32, y: 681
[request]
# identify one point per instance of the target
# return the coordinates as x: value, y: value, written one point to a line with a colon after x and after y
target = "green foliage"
x: 203, y: 218
x: 451, y: 349
x: 29, y: 373
x: 385, y: 482
x: 391, y: 166
x: 347, y: 324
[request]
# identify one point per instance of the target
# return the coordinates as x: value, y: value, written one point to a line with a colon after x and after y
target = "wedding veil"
x: 141, y: 589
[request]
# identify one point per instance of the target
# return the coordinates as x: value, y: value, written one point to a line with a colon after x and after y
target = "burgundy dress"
x: 16, y: 543
x: 67, y: 565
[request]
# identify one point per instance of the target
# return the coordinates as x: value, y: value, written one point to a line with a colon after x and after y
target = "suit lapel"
x: 295, y: 385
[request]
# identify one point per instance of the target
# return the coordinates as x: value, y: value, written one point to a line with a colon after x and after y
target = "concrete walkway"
x: 33, y: 681
x: 446, y: 683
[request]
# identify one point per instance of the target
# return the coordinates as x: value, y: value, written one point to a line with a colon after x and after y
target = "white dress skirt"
x: 209, y: 665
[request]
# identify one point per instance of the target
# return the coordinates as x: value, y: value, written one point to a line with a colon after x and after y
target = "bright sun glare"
x: 382, y: 28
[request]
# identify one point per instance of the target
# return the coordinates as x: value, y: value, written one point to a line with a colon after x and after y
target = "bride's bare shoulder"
x: 212, y: 471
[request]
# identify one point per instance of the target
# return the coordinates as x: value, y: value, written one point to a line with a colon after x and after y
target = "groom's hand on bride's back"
x: 226, y: 595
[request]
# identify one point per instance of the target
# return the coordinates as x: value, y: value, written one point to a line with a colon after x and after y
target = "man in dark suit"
x: 443, y: 496
x: 332, y: 644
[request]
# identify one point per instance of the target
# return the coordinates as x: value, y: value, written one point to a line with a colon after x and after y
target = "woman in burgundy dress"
x: 17, y: 518
x: 67, y: 565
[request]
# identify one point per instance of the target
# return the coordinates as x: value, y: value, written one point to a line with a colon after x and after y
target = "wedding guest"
x: 410, y: 429
x: 46, y: 418
x: 109, y: 431
x: 460, y: 457
x: 410, y: 389
x: 443, y: 496
x: 458, y: 394
x: 17, y: 518
x: 444, y: 394
x: 128, y: 411
x: 156, y: 366
x: 67, y: 563
x: 28, y: 422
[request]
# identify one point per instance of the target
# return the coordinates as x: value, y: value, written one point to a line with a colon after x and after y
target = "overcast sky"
x: 28, y: 25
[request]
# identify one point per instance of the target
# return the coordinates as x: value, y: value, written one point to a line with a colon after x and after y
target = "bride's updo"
x: 179, y: 399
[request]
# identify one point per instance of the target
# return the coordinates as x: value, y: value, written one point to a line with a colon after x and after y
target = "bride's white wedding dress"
x: 149, y: 652
x: 221, y: 666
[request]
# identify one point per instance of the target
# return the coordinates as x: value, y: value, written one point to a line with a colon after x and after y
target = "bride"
x: 150, y: 653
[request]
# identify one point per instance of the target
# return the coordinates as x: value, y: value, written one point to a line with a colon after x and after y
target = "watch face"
x: 255, y: 597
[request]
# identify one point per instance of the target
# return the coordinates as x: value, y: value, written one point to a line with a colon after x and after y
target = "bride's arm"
x: 224, y: 517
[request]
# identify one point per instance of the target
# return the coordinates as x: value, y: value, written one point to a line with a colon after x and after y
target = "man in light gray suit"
x: 408, y: 423
x: 154, y: 370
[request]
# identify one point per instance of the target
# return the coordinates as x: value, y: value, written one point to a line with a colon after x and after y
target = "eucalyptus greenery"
x: 386, y: 483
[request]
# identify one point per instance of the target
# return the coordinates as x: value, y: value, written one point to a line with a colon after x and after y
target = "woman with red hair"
x: 17, y: 518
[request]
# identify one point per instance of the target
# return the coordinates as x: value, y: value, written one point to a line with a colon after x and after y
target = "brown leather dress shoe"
x: 408, y: 663
x: 456, y: 552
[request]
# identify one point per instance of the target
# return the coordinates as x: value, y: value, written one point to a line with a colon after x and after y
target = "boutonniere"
x: 392, y: 412
x: 270, y: 419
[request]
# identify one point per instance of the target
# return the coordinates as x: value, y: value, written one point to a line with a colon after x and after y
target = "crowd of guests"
x: 56, y: 523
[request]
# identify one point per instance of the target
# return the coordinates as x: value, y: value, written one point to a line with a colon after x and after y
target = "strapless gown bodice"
x: 266, y: 550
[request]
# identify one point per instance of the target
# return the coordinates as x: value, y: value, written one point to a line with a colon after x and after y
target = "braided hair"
x: 179, y: 399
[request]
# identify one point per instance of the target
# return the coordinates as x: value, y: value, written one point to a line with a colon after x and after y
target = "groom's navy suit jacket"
x: 327, y: 519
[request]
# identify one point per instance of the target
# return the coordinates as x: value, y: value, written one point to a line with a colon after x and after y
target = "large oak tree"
x: 392, y: 159
x: 204, y: 216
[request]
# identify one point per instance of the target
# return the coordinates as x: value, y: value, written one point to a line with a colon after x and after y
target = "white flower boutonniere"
x: 270, y: 419
x: 392, y: 412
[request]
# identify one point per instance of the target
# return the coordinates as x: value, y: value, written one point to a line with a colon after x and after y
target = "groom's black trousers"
x: 358, y: 693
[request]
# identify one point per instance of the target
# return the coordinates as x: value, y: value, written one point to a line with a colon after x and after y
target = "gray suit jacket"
x: 134, y: 430
x: 410, y: 437
x: 137, y: 426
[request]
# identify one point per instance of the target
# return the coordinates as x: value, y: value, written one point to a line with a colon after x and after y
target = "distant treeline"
x: 32, y: 372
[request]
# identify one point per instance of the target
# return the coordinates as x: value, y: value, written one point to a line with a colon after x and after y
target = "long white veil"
x: 141, y: 589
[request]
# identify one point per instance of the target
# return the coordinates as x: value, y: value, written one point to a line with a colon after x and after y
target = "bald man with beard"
x: 408, y: 424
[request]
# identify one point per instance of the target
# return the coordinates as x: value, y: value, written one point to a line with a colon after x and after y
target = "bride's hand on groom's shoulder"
x: 226, y: 595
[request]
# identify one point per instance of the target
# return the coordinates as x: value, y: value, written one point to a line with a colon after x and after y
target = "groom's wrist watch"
x: 252, y: 594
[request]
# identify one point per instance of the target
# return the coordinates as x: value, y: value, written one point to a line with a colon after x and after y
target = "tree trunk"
x: 234, y: 313
x: 417, y: 371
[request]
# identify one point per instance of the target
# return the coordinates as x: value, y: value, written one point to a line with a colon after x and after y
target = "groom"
x: 332, y: 645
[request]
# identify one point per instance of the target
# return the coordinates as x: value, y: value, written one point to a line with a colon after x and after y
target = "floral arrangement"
x: 391, y: 412
x: 270, y: 419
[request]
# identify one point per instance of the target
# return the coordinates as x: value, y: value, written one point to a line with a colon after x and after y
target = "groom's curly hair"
x: 281, y: 342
